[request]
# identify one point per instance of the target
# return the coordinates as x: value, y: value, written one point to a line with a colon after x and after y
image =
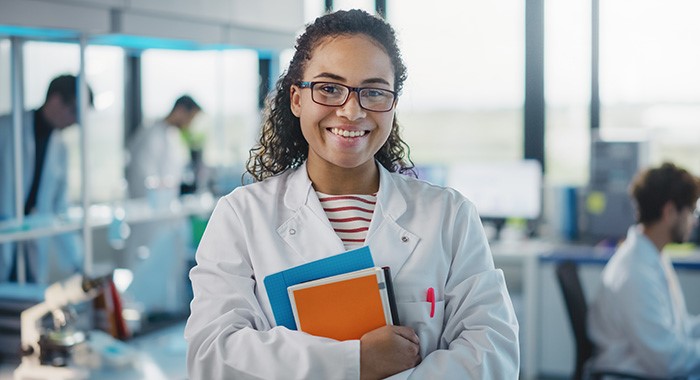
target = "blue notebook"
x: 277, y: 283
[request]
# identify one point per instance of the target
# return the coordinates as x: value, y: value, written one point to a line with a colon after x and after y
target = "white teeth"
x: 346, y: 133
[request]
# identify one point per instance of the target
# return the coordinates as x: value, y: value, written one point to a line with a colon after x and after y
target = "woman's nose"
x: 351, y: 109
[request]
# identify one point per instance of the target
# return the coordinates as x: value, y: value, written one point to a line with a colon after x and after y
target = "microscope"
x: 47, y: 352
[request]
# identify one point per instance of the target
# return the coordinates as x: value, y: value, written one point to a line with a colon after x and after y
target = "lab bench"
x: 160, y: 355
x: 159, y: 285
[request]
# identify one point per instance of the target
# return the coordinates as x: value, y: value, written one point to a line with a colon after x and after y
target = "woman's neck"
x: 334, y: 180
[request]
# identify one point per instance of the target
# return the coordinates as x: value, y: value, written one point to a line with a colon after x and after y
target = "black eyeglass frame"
x: 309, y: 85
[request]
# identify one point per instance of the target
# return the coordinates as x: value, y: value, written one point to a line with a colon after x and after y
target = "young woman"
x: 330, y: 141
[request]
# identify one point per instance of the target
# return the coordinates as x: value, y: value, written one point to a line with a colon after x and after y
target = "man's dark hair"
x: 653, y: 188
x: 186, y: 102
x: 66, y: 86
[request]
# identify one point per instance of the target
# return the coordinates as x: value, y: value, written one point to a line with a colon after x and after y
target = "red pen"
x: 431, y: 298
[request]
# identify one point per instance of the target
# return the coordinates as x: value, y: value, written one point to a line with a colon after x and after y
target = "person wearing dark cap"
x: 159, y: 155
x: 44, y: 179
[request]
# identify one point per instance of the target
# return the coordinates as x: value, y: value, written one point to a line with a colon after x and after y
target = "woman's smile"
x: 347, y: 133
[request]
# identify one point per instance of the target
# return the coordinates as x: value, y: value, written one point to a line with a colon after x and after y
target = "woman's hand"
x: 388, y: 350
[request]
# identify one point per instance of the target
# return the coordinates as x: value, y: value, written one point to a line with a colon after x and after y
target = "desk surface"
x: 161, y: 356
x: 682, y: 256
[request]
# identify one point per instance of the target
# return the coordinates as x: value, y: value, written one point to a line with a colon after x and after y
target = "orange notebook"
x: 345, y: 306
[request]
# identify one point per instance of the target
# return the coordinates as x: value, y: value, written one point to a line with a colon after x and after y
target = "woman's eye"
x: 330, y: 89
x: 374, y: 93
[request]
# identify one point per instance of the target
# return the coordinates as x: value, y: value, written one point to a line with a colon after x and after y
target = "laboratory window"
x: 367, y: 5
x: 649, y: 77
x: 567, y: 91
x: 463, y: 99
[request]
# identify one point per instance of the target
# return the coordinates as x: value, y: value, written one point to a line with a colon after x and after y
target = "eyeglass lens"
x: 334, y: 94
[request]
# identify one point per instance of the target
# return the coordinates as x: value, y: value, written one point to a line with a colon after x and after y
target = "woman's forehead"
x: 353, y: 57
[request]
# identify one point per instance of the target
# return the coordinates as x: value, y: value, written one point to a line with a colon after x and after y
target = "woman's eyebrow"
x: 375, y: 80
x: 342, y: 79
x: 330, y: 76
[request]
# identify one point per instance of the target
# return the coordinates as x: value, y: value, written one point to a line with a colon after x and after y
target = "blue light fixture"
x: 37, y: 33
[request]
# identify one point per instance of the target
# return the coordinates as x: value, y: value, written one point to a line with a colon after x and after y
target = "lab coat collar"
x: 299, y: 188
x: 301, y: 191
x: 389, y: 198
x: 391, y: 244
x: 647, y: 252
x: 311, y: 235
x: 308, y: 231
x: 645, y: 247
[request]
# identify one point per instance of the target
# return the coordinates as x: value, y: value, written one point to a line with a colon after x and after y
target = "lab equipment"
x: 47, y: 351
x: 607, y: 208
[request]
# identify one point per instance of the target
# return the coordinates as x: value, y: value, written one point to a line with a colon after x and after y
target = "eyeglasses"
x: 336, y: 94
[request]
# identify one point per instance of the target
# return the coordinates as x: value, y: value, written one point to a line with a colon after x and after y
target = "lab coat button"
x: 404, y: 239
x: 292, y: 231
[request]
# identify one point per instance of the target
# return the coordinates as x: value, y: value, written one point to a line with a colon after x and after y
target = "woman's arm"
x: 480, y: 335
x: 227, y: 333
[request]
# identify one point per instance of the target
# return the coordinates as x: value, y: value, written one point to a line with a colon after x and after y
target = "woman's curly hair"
x: 282, y: 145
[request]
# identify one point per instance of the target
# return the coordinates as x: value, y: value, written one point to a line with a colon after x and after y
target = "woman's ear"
x: 295, y: 100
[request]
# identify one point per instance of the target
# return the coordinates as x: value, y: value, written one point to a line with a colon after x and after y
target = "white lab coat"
x: 638, y: 320
x: 52, y: 198
x: 429, y: 236
x: 159, y: 152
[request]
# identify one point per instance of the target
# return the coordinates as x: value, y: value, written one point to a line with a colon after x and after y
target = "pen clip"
x: 431, y: 298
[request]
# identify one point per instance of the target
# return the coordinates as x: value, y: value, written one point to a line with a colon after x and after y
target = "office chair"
x: 577, y: 308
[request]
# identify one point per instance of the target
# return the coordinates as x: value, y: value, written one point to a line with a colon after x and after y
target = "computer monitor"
x: 500, y: 190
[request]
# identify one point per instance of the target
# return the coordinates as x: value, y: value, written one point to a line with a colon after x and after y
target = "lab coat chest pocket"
x: 417, y: 316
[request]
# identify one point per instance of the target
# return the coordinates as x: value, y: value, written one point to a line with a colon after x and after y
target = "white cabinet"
x: 60, y: 15
x: 213, y: 10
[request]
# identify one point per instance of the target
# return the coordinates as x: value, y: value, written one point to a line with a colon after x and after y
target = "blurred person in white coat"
x: 155, y: 251
x: 638, y: 321
x: 330, y: 139
x: 44, y: 180
x: 158, y: 155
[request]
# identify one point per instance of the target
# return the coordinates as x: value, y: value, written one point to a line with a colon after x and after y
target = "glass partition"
x: 313, y: 9
x: 43, y: 61
x: 104, y: 67
x: 225, y: 84
x: 5, y: 88
x: 567, y: 90
x: 649, y: 78
x: 367, y: 5
x: 463, y: 99
x: 46, y: 246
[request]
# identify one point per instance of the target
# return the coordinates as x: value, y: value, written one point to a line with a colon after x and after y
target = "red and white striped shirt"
x: 349, y: 215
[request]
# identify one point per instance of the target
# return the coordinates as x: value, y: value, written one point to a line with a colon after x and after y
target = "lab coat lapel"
x: 308, y: 232
x: 390, y: 243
